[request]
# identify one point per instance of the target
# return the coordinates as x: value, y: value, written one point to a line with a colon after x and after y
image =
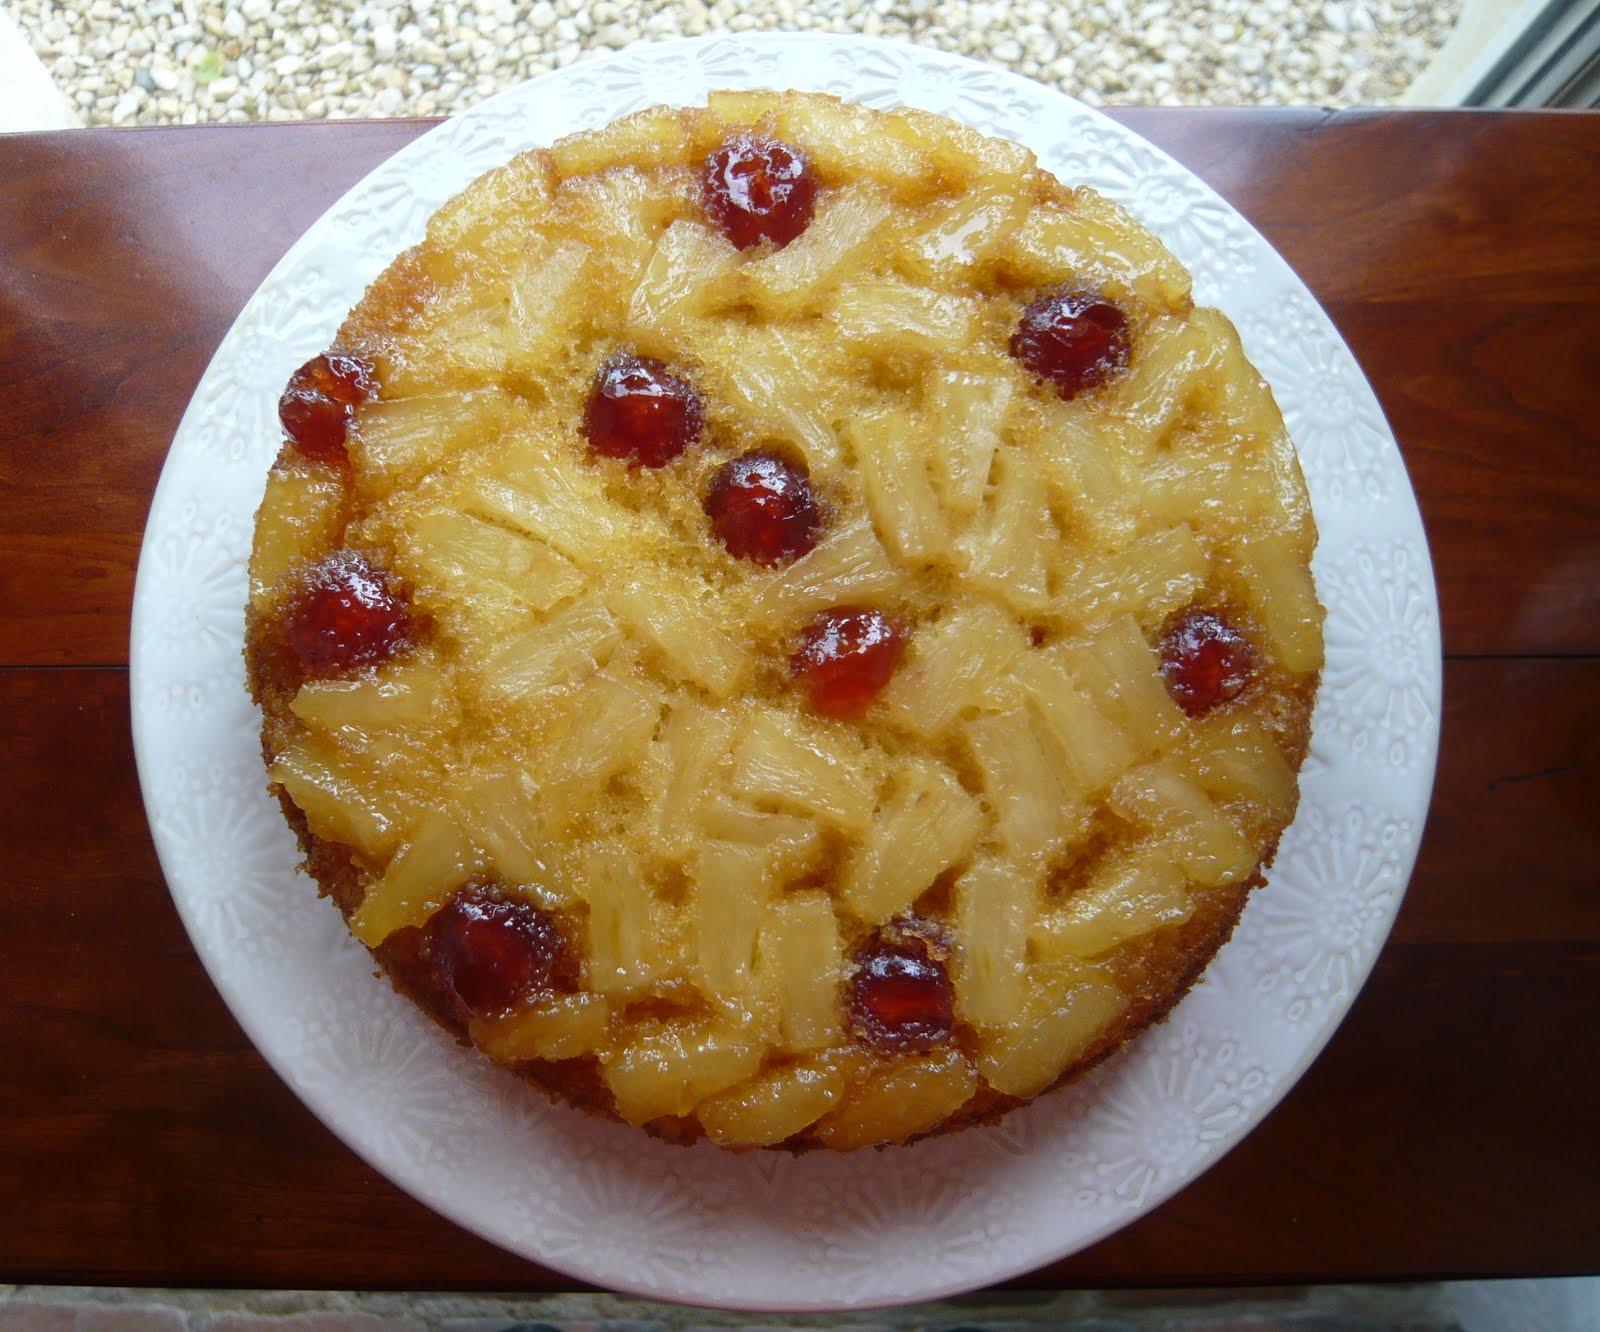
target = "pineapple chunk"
x: 340, y: 803
x: 1174, y: 363
x: 299, y: 520
x: 1007, y: 544
x: 1158, y: 797
x: 487, y: 219
x: 1080, y: 465
x: 848, y: 565
x: 1094, y: 243
x: 740, y: 107
x: 886, y: 317
x: 614, y: 210
x: 772, y: 1107
x: 1120, y: 671
x: 399, y: 440
x: 626, y: 951
x: 1038, y: 818
x: 499, y: 811
x: 486, y: 576
x: 947, y: 665
x: 995, y: 904
x: 547, y: 292
x: 546, y: 494
x: 553, y: 652
x: 1236, y: 758
x: 693, y: 742
x: 730, y: 893
x: 688, y: 261
x: 927, y: 824
x: 688, y: 636
x: 1089, y: 750
x: 800, y: 962
x: 404, y: 696
x: 899, y: 493
x: 965, y: 157
x: 849, y: 142
x: 791, y: 844
x: 670, y: 1070
x: 605, y: 731
x: 1237, y: 493
x: 782, y: 761
x: 1064, y: 1016
x: 564, y: 1026
x: 899, y: 1100
x: 1279, y: 589
x: 804, y: 271
x: 1129, y: 895
x: 434, y: 860
x: 1149, y: 579
x: 655, y: 137
x: 966, y: 408
x: 965, y: 234
x: 766, y: 375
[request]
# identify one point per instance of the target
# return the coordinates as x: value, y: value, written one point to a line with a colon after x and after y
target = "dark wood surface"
x: 1448, y: 1130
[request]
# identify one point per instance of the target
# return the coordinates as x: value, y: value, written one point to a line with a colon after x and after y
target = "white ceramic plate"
x: 762, y: 1230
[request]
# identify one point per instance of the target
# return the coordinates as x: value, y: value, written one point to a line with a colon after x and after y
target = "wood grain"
x: 1446, y: 1131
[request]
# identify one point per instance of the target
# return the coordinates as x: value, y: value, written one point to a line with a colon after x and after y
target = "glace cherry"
x: 846, y: 656
x: 900, y: 998
x: 345, y: 614
x: 761, y: 509
x: 755, y: 189
x: 494, y: 951
x: 1073, y: 339
x: 317, y: 407
x: 1205, y: 661
x: 641, y: 412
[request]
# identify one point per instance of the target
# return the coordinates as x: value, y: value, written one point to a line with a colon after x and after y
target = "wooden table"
x: 1452, y: 1128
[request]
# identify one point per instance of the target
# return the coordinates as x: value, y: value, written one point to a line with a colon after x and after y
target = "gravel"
x: 151, y: 62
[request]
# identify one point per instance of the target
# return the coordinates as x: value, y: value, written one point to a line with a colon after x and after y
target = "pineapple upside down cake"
x: 783, y: 623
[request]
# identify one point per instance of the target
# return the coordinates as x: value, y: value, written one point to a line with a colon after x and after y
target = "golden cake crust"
x: 1229, y: 775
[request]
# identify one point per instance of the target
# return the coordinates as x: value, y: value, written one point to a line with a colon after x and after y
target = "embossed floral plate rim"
x: 763, y: 1230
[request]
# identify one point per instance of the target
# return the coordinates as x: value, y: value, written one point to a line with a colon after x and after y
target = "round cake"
x: 783, y: 623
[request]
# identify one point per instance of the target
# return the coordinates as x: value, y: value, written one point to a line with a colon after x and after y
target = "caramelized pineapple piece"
x: 732, y: 883
x: 772, y: 1107
x: 1278, y: 585
x: 967, y: 409
x: 400, y: 440
x: 433, y: 861
x: 688, y: 261
x: 1070, y: 1004
x: 603, y: 732
x: 1210, y: 849
x: 1038, y: 816
x: 1007, y: 543
x: 668, y: 1070
x: 552, y: 652
x: 1094, y: 244
x: 899, y: 493
x: 949, y: 665
x: 848, y: 565
x: 784, y: 761
x: 806, y: 270
x: 1149, y: 579
x: 408, y: 695
x: 298, y: 521
x: 899, y: 1100
x: 688, y: 636
x: 995, y: 904
x: 1129, y: 895
x: 564, y: 1026
x: 800, y: 962
x: 926, y: 825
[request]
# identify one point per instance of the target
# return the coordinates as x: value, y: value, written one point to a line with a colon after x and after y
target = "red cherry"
x: 1073, y: 339
x: 757, y: 189
x: 320, y: 402
x: 494, y: 952
x: 846, y: 656
x: 345, y: 614
x: 1205, y: 661
x: 900, y: 998
x: 639, y: 411
x: 761, y: 509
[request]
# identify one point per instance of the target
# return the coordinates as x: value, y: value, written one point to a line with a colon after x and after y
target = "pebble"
x: 191, y: 61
